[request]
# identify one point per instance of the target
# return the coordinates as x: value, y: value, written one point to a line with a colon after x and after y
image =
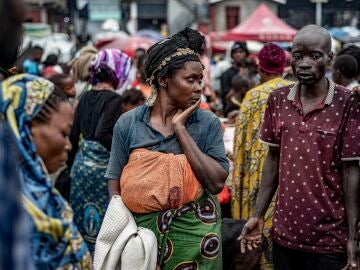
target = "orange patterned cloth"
x: 154, y: 181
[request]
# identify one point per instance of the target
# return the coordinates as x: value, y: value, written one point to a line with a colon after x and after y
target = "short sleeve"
x: 119, y: 152
x: 268, y: 126
x: 214, y: 144
x: 351, y: 138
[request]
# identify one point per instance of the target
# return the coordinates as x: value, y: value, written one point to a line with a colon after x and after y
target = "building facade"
x: 334, y: 13
x: 226, y: 14
x: 45, y: 11
x: 166, y: 16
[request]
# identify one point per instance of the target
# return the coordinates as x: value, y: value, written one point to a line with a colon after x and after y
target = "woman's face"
x: 52, y: 138
x: 185, y: 85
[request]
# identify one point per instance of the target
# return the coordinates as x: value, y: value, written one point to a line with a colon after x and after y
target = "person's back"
x: 94, y: 107
x: 91, y: 137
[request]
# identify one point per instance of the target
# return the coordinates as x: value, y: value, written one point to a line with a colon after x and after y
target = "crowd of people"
x: 110, y: 161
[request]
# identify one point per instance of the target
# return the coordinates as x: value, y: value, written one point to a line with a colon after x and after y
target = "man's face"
x: 310, y: 58
x: 238, y: 55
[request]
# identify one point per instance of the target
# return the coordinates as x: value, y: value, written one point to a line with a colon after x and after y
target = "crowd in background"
x: 66, y: 119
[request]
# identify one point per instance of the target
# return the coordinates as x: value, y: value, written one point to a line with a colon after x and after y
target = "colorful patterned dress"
x: 249, y: 156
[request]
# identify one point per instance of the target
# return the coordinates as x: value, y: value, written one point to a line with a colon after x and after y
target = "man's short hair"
x: 354, y: 51
x: 347, y: 65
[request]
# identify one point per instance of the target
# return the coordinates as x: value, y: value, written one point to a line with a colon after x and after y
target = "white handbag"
x: 120, y: 244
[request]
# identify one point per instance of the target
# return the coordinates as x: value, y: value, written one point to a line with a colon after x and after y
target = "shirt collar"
x: 145, y: 116
x: 329, y: 97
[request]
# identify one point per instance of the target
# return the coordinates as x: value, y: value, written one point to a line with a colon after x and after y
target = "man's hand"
x: 356, y: 90
x: 181, y: 116
x: 232, y: 116
x: 352, y: 262
x: 251, y: 234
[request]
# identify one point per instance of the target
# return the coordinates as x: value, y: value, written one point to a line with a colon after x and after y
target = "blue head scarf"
x: 56, y: 242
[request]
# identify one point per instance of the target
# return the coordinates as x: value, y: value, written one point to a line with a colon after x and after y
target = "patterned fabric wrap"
x: 188, y: 237
x: 88, y: 190
x: 183, y: 46
x: 249, y: 157
x: 141, y: 176
x: 56, y: 242
x: 114, y: 62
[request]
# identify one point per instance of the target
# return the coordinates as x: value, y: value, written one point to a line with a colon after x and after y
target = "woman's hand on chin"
x: 181, y: 116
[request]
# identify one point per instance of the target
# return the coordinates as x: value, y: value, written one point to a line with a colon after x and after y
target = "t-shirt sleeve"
x: 119, y: 152
x: 351, y: 138
x: 214, y: 144
x: 268, y: 127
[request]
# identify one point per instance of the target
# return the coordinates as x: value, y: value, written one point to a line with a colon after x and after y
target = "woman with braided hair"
x: 167, y: 159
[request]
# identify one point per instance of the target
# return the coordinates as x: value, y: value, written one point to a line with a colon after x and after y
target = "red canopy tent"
x: 127, y: 45
x: 262, y: 25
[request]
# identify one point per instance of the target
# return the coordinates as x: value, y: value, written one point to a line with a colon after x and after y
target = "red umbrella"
x: 128, y: 45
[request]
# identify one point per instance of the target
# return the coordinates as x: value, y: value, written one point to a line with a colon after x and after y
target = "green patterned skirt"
x: 188, y: 237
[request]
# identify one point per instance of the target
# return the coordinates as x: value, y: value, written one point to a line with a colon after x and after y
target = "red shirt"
x: 309, y: 213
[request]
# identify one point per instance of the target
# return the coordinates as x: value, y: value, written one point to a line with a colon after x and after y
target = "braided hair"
x: 50, y: 106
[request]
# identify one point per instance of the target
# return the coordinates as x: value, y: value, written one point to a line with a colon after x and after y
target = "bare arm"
x: 269, y: 182
x: 207, y: 170
x: 113, y: 188
x: 351, y: 185
x: 251, y: 234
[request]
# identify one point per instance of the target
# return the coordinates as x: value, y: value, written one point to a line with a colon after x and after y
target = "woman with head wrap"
x: 39, y: 117
x: 167, y: 159
x: 91, y: 137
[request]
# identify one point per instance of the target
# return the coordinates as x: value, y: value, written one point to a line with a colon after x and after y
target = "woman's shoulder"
x: 126, y: 119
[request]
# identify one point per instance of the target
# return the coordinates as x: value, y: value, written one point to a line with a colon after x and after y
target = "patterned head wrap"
x: 56, y: 242
x: 185, y: 45
x: 112, y: 61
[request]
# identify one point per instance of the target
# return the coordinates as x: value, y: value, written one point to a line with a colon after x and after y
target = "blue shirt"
x: 133, y: 130
x: 31, y: 67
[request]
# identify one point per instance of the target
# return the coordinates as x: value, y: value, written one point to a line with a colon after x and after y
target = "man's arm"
x: 269, y: 182
x: 351, y: 185
x: 252, y: 233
